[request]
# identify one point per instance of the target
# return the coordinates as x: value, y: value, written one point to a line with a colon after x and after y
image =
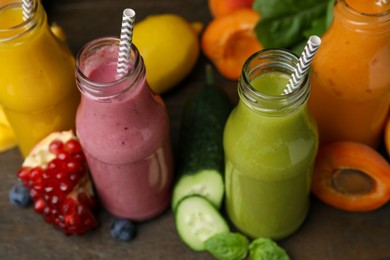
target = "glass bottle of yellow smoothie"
x: 37, y: 82
x: 350, y: 74
x: 270, y: 144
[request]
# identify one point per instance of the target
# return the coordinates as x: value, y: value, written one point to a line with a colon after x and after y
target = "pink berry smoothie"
x: 124, y: 130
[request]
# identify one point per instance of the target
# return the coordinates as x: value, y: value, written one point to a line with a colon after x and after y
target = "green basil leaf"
x: 266, y: 249
x: 227, y: 246
x: 286, y: 31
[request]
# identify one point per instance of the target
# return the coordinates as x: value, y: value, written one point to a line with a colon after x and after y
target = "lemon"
x: 169, y: 46
x: 7, y: 136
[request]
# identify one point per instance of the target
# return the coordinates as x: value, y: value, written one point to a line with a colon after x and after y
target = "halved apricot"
x: 228, y: 41
x: 351, y: 176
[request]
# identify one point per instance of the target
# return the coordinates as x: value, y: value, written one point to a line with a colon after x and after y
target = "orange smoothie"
x: 350, y: 75
x: 37, y: 82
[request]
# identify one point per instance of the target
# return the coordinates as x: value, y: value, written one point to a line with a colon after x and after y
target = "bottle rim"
x: 269, y: 60
x: 22, y: 28
x: 373, y: 23
x: 98, y: 90
x: 355, y: 12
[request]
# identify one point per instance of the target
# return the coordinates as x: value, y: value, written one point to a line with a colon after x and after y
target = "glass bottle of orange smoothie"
x: 350, y: 75
x: 270, y: 144
x: 37, y: 81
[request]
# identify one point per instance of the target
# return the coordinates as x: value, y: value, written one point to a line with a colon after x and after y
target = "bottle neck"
x: 259, y: 99
x: 13, y: 29
x: 96, y: 75
x: 363, y: 18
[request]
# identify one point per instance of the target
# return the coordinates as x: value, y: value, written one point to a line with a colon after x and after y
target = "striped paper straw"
x: 303, y: 64
x: 128, y: 19
x: 27, y: 6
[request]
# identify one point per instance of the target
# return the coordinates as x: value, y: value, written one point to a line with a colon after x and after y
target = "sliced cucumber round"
x: 206, y: 183
x: 197, y: 220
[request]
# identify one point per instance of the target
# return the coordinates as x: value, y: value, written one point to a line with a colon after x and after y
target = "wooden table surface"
x: 327, y: 233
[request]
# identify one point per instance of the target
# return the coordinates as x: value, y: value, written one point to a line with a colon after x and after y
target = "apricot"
x: 351, y: 176
x: 222, y: 7
x: 228, y: 41
x: 387, y: 136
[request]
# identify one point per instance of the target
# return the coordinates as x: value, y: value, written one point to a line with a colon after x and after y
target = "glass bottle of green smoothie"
x: 270, y: 144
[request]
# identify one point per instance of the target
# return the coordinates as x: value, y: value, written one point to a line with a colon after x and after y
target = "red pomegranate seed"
x: 24, y: 173
x: 68, y: 206
x: 47, y: 214
x: 74, y: 166
x: 56, y: 146
x: 64, y: 156
x: 36, y: 173
x: 66, y: 186
x: 47, y: 174
x: 39, y: 205
x: 55, y: 200
x: 72, y: 146
x: 79, y: 157
x: 61, y: 175
x: 35, y: 195
x: 74, y: 177
x: 56, y: 164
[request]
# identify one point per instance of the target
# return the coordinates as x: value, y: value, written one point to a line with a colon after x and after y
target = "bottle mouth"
x: 355, y: 11
x: 19, y: 29
x: 266, y: 61
x: 92, y: 55
x: 373, y: 23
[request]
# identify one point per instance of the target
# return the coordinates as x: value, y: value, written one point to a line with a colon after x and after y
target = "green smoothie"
x: 269, y: 159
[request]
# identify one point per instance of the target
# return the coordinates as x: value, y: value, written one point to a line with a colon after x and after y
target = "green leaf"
x: 270, y: 9
x: 227, y: 246
x: 283, y: 22
x: 318, y: 27
x: 284, y: 31
x: 266, y: 249
x: 329, y: 13
x: 298, y: 49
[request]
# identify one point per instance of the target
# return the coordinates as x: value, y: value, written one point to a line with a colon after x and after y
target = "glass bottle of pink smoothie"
x: 124, y: 130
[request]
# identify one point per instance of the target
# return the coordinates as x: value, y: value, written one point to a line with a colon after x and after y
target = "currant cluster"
x: 61, y: 189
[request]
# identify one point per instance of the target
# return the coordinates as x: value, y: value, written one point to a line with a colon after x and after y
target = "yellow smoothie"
x: 37, y: 82
x: 269, y: 158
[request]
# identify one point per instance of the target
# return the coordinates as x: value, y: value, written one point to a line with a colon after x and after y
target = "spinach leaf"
x: 283, y: 22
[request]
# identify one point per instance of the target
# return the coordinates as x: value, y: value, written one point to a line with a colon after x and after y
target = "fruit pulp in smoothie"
x: 127, y: 145
x: 269, y: 161
x: 38, y: 90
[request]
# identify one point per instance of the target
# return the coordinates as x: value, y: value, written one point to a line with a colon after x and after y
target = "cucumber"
x: 200, y: 154
x: 197, y: 220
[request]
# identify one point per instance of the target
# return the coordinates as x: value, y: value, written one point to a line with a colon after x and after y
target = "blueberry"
x: 19, y: 195
x: 123, y: 229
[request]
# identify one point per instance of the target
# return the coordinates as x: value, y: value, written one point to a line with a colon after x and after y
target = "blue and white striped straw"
x: 128, y: 20
x: 27, y: 6
x: 303, y: 64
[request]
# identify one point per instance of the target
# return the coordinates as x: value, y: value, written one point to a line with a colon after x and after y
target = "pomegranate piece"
x: 56, y: 173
